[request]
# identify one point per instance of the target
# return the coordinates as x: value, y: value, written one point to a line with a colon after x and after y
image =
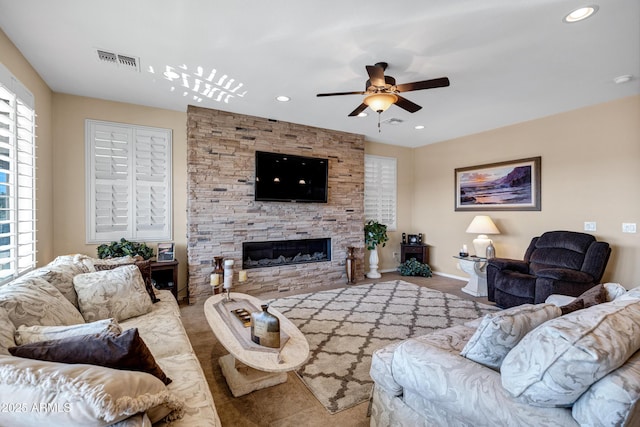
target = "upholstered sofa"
x: 530, y: 365
x: 147, y: 372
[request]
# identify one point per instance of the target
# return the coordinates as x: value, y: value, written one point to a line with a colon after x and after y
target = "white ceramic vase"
x: 373, y: 264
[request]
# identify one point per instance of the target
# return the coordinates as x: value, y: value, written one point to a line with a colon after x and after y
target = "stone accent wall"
x: 222, y: 213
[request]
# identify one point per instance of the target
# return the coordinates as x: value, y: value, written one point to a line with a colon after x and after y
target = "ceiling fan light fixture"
x: 380, y: 102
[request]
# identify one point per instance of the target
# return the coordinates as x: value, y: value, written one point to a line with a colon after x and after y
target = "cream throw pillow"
x: 32, y: 334
x: 499, y: 332
x: 119, y: 293
x: 554, y: 364
x: 7, y: 332
x: 36, y: 302
x: 77, y: 395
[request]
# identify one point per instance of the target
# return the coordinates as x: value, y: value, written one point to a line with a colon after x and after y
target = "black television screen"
x: 287, y: 178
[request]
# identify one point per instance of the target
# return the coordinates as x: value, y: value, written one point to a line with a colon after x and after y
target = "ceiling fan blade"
x: 404, y: 103
x: 425, y: 84
x: 376, y: 75
x: 341, y: 93
x: 358, y: 110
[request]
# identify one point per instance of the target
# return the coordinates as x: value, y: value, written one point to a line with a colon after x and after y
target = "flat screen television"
x: 287, y: 178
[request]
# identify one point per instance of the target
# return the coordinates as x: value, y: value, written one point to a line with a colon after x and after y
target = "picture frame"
x: 166, y: 252
x: 505, y: 186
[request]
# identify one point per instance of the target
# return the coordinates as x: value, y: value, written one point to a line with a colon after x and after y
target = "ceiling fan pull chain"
x: 379, y: 131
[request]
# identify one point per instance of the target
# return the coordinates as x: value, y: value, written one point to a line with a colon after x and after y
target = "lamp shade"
x: 379, y: 102
x: 482, y: 224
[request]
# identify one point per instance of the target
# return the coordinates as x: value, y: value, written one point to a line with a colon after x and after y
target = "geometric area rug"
x: 345, y: 326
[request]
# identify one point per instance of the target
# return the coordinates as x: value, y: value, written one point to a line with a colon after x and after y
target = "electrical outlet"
x: 628, y: 227
x: 590, y: 226
x: 396, y: 256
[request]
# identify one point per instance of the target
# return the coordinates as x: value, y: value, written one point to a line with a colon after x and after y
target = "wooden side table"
x: 165, y: 274
x: 417, y: 251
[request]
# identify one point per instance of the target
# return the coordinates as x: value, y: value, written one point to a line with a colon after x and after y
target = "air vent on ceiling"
x: 122, y: 61
x: 392, y: 121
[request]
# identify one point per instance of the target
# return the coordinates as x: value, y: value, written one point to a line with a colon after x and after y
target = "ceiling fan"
x: 382, y: 91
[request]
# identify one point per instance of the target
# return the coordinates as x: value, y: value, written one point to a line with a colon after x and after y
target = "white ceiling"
x: 508, y: 61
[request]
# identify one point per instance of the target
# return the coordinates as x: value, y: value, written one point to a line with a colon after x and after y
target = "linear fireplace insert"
x: 285, y: 252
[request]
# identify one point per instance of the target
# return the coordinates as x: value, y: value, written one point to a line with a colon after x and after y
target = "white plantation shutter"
x: 129, y: 176
x: 380, y: 190
x: 17, y: 178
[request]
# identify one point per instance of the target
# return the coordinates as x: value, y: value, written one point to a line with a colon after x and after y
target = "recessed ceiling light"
x: 283, y: 98
x: 419, y: 127
x: 623, y: 79
x: 363, y: 114
x: 580, y: 14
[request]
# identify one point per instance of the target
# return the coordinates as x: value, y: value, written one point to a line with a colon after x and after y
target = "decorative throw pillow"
x: 7, y: 331
x: 36, y: 302
x: 143, y: 265
x: 576, y: 304
x: 119, y: 293
x: 60, y: 276
x: 499, y: 332
x: 554, y: 364
x: 31, y: 334
x: 590, y: 297
x: 84, y: 395
x: 611, y: 400
x: 125, y: 351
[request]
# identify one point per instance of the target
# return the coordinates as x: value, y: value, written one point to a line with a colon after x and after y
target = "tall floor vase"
x: 373, y: 264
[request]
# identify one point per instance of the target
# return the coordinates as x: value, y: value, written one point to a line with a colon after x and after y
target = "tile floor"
x: 291, y: 403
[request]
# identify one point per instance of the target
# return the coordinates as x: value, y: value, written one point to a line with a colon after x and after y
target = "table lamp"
x: 482, y: 225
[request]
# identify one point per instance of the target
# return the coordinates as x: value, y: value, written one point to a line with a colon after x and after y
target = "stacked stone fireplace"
x: 223, y: 217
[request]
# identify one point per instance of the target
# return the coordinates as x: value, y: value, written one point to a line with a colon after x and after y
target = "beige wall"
x: 405, y: 166
x: 590, y: 172
x: 22, y: 70
x: 69, y: 117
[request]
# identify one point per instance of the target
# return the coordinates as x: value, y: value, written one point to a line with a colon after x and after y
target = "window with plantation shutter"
x: 129, y: 182
x: 17, y: 178
x: 380, y: 190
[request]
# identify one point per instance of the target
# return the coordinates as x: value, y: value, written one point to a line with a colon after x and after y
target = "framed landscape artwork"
x: 512, y: 185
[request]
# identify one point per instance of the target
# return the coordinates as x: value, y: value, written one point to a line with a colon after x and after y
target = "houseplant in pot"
x: 374, y: 234
x: 124, y: 248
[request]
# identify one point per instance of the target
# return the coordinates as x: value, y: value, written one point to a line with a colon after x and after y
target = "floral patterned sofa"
x: 84, y: 344
x: 531, y: 365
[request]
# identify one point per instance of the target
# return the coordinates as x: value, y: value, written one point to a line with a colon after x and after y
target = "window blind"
x: 380, y: 190
x: 129, y: 176
x: 17, y: 178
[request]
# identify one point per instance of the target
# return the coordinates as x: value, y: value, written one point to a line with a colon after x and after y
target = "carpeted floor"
x: 345, y: 326
x: 291, y: 403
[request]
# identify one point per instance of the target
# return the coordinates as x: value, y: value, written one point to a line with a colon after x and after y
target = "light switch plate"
x: 628, y: 227
x: 590, y: 226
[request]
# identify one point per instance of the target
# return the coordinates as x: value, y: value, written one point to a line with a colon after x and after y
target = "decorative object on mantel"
x: 350, y: 265
x: 124, y: 248
x: 413, y: 267
x: 483, y: 225
x: 218, y: 274
x: 374, y: 235
x: 265, y: 328
x: 228, y: 278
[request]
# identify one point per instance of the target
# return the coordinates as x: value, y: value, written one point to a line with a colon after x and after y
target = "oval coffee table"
x: 250, y: 367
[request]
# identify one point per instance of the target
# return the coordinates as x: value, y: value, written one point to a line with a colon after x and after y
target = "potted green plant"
x: 413, y: 267
x: 124, y: 248
x: 374, y: 234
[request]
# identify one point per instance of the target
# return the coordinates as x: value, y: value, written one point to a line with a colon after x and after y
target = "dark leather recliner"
x: 557, y: 262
